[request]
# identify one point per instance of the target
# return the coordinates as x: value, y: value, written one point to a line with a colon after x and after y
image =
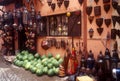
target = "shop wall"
x: 117, y: 26
x: 99, y: 42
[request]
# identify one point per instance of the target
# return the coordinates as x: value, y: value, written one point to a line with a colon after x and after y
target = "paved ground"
x: 9, y: 72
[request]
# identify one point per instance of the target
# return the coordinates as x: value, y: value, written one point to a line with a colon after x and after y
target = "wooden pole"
x: 85, y: 28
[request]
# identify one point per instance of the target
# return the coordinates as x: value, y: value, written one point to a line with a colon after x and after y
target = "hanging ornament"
x: 96, y: 1
x: 118, y: 19
x: 107, y: 22
x: 53, y: 6
x: 90, y: 18
x: 118, y: 9
x: 107, y: 7
x: 100, y: 30
x: 80, y: 1
x: 89, y: 10
x: 66, y: 3
x: 114, y: 19
x: 114, y: 4
x: 106, y: 1
x: 68, y: 14
x: 99, y: 22
x: 59, y: 3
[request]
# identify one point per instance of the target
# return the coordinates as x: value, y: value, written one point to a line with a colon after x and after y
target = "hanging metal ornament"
x: 114, y: 20
x: 80, y: 1
x: 100, y: 30
x: 97, y: 10
x: 89, y: 10
x: 106, y: 1
x: 33, y: 12
x: 118, y: 9
x: 90, y: 18
x: 99, y: 22
x: 96, y: 1
x: 53, y: 5
x: 49, y: 2
x: 118, y: 19
x: 59, y: 3
x: 107, y: 7
x: 114, y: 4
x: 107, y: 22
x: 66, y: 3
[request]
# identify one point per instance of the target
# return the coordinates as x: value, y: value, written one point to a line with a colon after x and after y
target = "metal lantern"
x: 91, y: 32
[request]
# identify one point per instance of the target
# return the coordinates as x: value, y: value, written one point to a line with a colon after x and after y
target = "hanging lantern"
x: 68, y: 14
x: 91, y: 32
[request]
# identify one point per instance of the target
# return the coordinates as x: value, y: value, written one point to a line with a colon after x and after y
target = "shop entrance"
x: 21, y: 40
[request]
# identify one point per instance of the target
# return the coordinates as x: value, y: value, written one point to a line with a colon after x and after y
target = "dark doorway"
x: 21, y: 40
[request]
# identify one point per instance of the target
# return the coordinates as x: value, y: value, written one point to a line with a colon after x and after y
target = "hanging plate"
x: 89, y: 10
x: 99, y: 22
x: 107, y: 7
x: 107, y: 22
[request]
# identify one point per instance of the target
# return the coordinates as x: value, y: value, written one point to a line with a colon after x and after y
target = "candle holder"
x: 66, y: 3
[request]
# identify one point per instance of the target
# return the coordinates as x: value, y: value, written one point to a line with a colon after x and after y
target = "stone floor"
x: 9, y: 72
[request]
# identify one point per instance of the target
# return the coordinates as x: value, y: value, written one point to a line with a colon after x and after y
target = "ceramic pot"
x: 107, y: 7
x: 99, y: 22
x: 89, y: 10
x: 107, y: 22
